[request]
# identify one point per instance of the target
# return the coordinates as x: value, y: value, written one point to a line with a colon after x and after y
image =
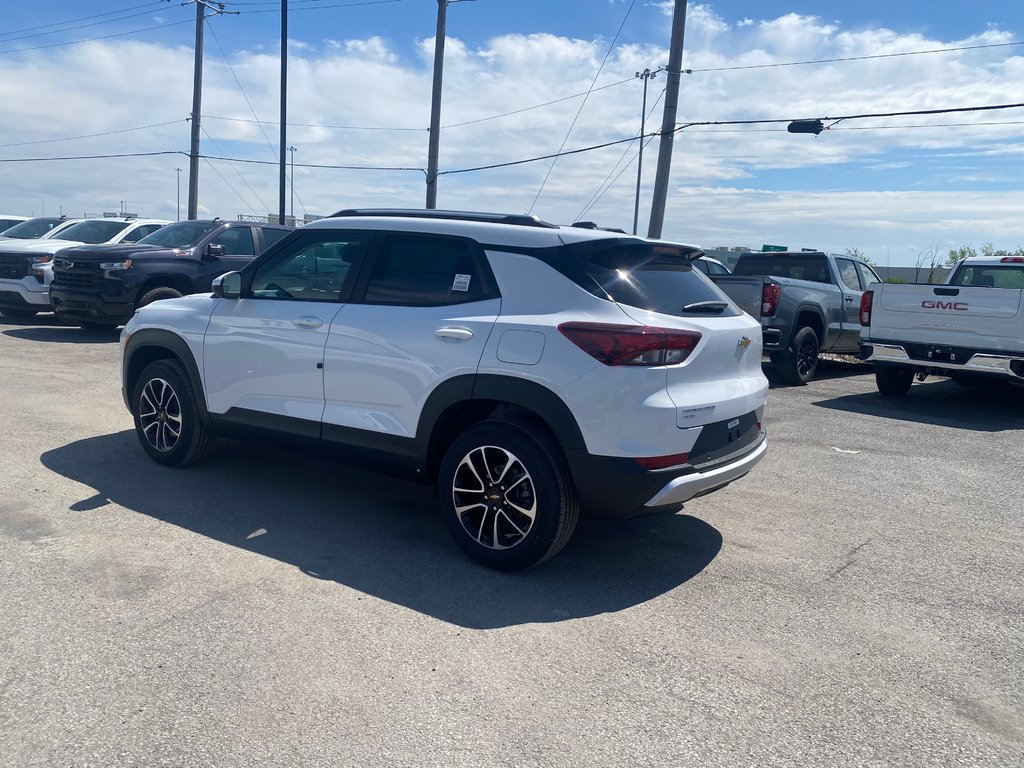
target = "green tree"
x: 857, y: 253
x: 956, y: 255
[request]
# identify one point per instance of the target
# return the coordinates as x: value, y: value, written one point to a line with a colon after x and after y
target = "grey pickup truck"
x: 808, y: 302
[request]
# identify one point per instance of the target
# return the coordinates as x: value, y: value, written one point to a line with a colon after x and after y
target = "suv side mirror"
x: 215, y: 250
x: 228, y: 286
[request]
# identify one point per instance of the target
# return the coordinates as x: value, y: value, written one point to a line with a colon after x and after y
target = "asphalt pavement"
x: 855, y: 601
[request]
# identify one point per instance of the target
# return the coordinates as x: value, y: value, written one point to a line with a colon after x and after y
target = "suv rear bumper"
x: 94, y: 307
x: 945, y: 358
x: 613, y: 487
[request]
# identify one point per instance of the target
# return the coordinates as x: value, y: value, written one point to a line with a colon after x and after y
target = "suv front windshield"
x: 92, y: 232
x: 31, y: 229
x: 181, y: 234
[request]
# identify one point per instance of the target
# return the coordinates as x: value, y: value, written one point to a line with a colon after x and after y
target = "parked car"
x: 26, y: 268
x: 971, y: 328
x: 101, y: 287
x: 807, y: 303
x: 526, y: 369
x: 710, y: 266
x: 7, y: 221
x: 41, y: 226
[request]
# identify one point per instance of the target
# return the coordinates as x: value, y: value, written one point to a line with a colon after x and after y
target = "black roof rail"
x: 592, y: 225
x: 516, y: 219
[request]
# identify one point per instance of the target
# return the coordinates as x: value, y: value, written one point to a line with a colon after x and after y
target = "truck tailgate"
x: 745, y: 291
x: 965, y: 316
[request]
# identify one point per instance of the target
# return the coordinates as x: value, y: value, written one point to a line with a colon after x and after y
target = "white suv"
x: 528, y: 370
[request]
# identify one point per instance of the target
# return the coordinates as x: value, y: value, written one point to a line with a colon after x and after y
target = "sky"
x: 111, y: 78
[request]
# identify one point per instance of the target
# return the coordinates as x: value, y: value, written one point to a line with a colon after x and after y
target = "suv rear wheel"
x: 506, y: 496
x: 168, y: 420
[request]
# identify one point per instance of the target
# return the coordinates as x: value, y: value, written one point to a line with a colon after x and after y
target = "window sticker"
x: 461, y: 282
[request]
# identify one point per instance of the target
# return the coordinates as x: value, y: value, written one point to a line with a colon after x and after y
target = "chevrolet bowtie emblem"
x: 743, y: 343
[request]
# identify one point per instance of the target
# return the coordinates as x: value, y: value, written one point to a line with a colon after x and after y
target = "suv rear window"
x: 813, y: 268
x: 658, y: 278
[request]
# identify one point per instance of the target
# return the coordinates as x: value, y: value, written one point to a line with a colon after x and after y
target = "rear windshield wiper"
x: 711, y: 307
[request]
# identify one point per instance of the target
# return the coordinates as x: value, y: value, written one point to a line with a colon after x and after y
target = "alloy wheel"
x: 160, y: 415
x: 494, y: 496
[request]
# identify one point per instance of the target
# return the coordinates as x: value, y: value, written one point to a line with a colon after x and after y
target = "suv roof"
x: 517, y: 219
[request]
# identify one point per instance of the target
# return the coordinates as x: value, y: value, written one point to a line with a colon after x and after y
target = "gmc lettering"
x: 959, y: 306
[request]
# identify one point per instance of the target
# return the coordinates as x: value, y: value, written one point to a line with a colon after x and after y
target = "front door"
x: 425, y: 308
x: 849, y: 282
x: 264, y: 352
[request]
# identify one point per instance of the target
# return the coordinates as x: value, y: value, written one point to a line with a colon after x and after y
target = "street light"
x: 646, y: 75
x: 179, y: 193
x: 292, y: 150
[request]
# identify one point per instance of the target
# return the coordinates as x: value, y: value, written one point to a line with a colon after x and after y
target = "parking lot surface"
x: 855, y: 601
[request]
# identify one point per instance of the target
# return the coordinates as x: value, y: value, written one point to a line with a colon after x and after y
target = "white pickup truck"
x: 970, y: 328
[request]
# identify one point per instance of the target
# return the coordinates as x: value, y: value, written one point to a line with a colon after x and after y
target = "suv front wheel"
x: 168, y: 421
x: 506, y: 496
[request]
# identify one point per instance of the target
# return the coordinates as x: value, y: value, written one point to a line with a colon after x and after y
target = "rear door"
x: 850, y: 285
x: 420, y: 315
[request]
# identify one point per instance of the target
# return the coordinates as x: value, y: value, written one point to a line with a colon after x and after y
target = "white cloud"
x: 366, y: 82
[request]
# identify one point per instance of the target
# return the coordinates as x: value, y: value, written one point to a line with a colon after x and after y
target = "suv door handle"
x: 456, y: 334
x: 308, y: 322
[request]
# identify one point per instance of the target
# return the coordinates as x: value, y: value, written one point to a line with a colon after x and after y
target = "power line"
x: 79, y: 26
x: 852, y: 58
x: 90, y: 157
x: 237, y: 172
x: 326, y: 7
x: 82, y: 18
x: 101, y: 37
x: 313, y: 125
x: 580, y: 110
x: 617, y: 176
x: 92, y: 135
x: 227, y: 183
x: 319, y: 165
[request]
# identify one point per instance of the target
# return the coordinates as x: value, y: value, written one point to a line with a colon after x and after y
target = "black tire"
x: 505, y: 538
x: 893, y: 381
x: 19, y: 313
x: 156, y: 294
x: 152, y: 407
x: 98, y: 327
x: 798, y: 363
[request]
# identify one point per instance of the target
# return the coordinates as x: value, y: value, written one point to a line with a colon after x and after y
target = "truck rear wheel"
x: 156, y: 294
x: 798, y: 363
x: 893, y: 381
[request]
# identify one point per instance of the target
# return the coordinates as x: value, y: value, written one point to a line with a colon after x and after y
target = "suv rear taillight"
x: 866, y: 300
x: 770, y: 295
x: 631, y: 344
x: 1012, y: 260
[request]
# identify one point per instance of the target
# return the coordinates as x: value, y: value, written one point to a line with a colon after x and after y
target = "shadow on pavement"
x: 943, y: 403
x: 41, y: 320
x: 382, y: 536
x: 827, y: 369
x: 63, y: 334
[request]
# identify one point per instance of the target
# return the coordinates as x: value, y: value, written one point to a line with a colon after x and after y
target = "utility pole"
x: 434, y: 148
x: 179, y: 192
x: 646, y: 75
x: 668, y: 122
x: 292, y: 150
x: 284, y: 111
x: 197, y: 100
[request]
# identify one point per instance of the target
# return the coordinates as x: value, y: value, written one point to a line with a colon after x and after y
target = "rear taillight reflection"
x: 770, y: 295
x: 663, y: 462
x: 866, y: 300
x: 631, y: 344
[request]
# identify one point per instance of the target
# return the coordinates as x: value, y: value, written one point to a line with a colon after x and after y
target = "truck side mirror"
x: 228, y: 286
x: 215, y: 250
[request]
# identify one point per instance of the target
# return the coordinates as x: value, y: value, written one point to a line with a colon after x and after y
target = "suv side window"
x: 271, y: 236
x: 848, y: 274
x: 316, y: 267
x: 716, y: 269
x: 867, y: 275
x: 237, y: 241
x: 422, y: 270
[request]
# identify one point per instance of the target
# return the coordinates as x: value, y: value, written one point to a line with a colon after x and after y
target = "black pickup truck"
x: 102, y: 286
